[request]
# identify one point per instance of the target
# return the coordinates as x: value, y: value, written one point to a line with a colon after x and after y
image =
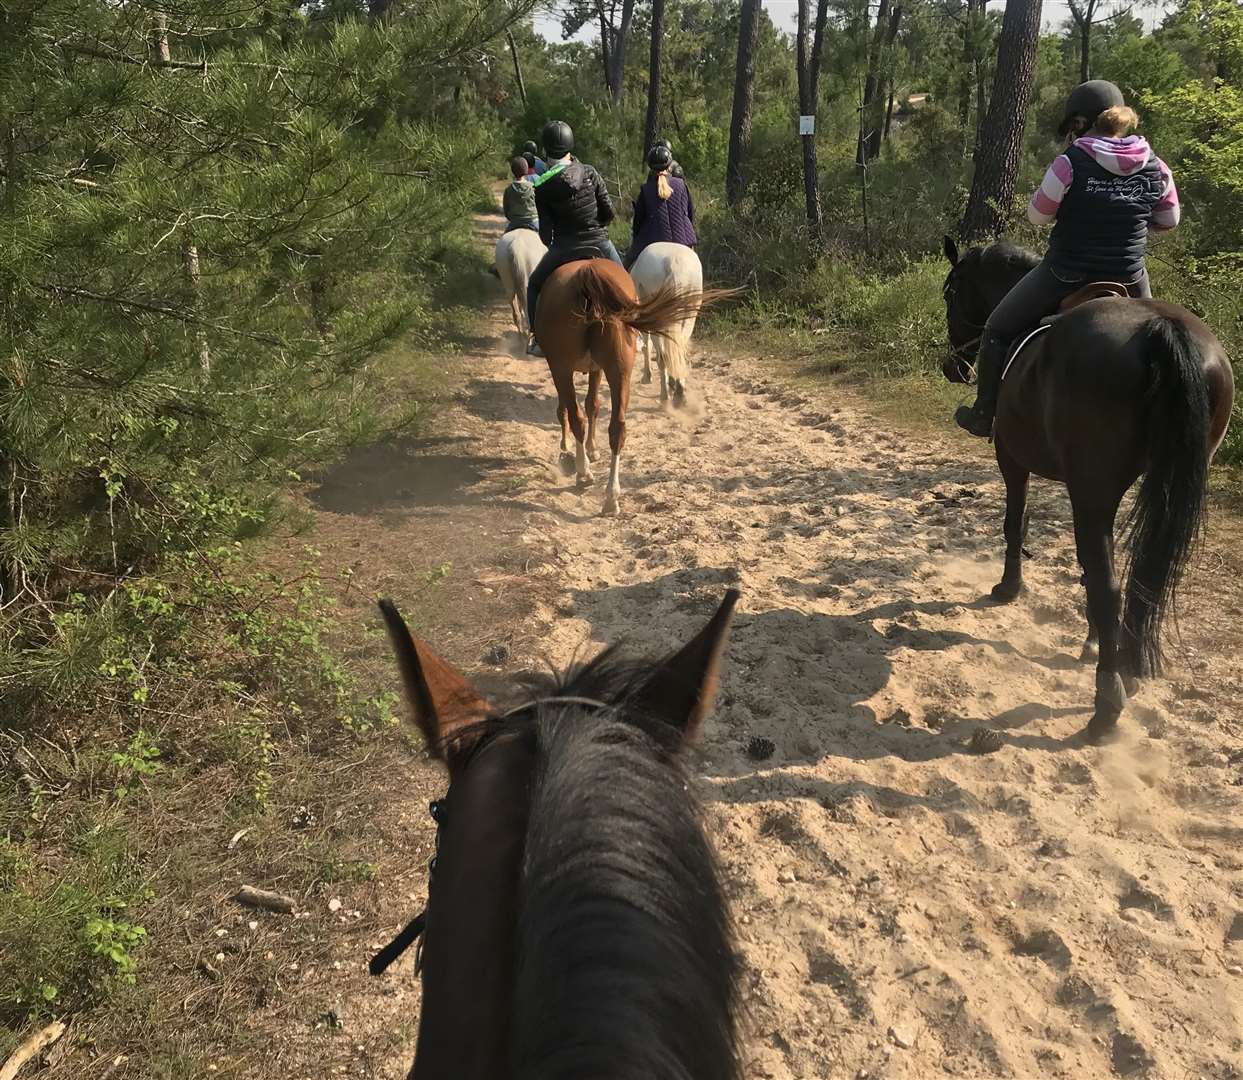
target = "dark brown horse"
x: 576, y: 924
x: 1114, y: 390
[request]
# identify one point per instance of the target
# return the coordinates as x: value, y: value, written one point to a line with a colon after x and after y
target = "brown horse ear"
x: 951, y: 249
x: 443, y: 702
x: 683, y: 688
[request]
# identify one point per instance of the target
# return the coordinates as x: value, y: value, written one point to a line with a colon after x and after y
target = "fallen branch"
x: 30, y: 1048
x: 249, y: 896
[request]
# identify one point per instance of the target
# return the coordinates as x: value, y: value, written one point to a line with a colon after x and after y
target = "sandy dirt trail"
x: 906, y: 908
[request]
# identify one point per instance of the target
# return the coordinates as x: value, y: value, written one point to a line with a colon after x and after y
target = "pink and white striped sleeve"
x: 1048, y: 196
x: 1167, y: 212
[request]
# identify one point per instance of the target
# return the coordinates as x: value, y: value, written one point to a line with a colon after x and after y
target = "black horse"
x: 576, y: 923
x: 1114, y: 389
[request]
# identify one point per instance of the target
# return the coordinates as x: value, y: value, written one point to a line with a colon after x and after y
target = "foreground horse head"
x: 676, y: 268
x: 1114, y: 390
x: 575, y: 916
x: 589, y: 313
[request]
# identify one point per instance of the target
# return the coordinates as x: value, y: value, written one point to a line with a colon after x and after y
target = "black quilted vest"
x: 1102, y: 225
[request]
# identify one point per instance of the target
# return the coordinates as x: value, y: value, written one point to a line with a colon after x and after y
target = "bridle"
x: 966, y: 353
x: 439, y: 811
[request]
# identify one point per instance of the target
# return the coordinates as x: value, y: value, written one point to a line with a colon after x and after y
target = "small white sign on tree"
x: 806, y: 125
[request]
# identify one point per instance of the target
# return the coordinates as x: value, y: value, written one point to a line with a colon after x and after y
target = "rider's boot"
x: 977, y: 419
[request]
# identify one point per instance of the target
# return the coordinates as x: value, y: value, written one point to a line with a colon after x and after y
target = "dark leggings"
x: 1038, y: 295
x: 559, y: 255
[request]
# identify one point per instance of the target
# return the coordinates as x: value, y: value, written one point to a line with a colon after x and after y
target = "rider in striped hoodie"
x: 1101, y: 196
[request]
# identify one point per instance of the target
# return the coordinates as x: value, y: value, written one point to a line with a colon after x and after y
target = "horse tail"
x: 1168, y: 515
x: 610, y: 301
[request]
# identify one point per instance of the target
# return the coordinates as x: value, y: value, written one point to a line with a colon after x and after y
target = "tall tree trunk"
x: 870, y: 83
x: 744, y: 86
x: 617, y: 53
x: 889, y: 112
x: 513, y: 51
x: 997, y: 155
x: 809, y: 51
x: 159, y: 38
x: 653, y: 75
x: 967, y: 64
x: 1085, y: 50
x: 876, y: 122
x: 606, y: 43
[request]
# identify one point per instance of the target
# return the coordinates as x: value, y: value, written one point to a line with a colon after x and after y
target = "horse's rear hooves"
x: 1102, y: 728
x: 1006, y: 592
x: 611, y: 508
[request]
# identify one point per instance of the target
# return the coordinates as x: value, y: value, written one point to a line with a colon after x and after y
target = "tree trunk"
x: 809, y: 52
x: 617, y: 54
x: 870, y: 84
x: 653, y: 76
x: 744, y: 86
x: 876, y: 121
x: 889, y: 112
x: 968, y: 64
x: 1085, y: 50
x: 159, y: 38
x: 606, y: 41
x: 997, y: 154
x: 513, y: 51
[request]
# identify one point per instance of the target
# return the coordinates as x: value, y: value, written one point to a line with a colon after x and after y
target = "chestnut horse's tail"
x: 1169, y: 509
x: 609, y: 300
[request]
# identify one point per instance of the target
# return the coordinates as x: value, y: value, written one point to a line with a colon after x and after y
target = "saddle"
x: 1094, y: 290
x: 584, y: 251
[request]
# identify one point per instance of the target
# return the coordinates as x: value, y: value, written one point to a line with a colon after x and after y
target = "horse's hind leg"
x: 647, y: 358
x: 592, y: 404
x: 567, y: 408
x: 618, y: 375
x: 1016, y: 478
x: 1094, y: 541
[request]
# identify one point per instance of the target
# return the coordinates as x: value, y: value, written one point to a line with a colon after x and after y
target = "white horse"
x: 675, y: 267
x: 518, y: 252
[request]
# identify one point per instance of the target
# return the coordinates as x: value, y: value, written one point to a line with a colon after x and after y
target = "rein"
x: 439, y: 809
x: 966, y: 353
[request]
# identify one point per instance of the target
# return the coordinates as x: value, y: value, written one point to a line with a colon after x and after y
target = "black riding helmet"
x: 558, y: 139
x: 530, y: 148
x: 659, y: 157
x: 1089, y: 100
x: 665, y: 143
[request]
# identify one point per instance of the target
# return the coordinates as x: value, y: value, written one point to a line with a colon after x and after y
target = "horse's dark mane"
x: 625, y: 962
x: 1003, y: 258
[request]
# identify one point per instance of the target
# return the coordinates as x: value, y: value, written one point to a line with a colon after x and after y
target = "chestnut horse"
x: 576, y: 923
x: 589, y: 313
x: 1115, y: 389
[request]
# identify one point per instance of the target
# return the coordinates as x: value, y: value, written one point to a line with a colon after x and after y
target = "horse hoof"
x: 592, y: 453
x: 585, y: 479
x: 1102, y: 728
x: 1005, y: 592
x: 611, y: 508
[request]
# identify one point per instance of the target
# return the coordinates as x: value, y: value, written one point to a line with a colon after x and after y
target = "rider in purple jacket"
x: 664, y: 210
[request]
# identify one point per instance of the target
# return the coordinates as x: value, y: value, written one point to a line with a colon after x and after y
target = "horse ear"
x: 683, y: 688
x: 951, y: 250
x: 443, y: 702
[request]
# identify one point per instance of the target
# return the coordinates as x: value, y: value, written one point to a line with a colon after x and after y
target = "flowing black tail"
x: 1169, y: 510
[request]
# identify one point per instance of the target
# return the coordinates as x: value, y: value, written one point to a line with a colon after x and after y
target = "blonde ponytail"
x: 663, y: 189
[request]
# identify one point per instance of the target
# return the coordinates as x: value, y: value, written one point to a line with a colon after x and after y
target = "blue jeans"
x: 533, y: 225
x: 559, y: 255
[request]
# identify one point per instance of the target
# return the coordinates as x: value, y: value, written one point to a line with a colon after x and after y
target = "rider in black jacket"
x: 574, y: 213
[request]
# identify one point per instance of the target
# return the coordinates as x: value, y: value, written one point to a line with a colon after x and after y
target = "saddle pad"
x: 1023, y: 343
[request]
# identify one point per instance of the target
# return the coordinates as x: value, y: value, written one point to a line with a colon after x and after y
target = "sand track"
x: 907, y: 908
